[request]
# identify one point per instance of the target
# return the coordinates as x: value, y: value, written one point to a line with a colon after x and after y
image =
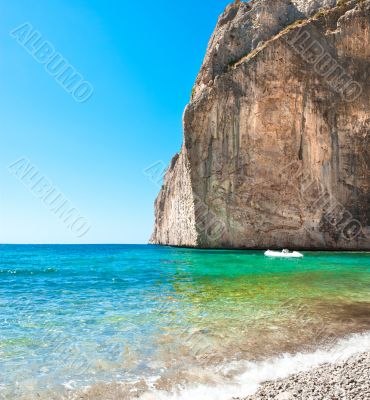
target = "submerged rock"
x: 276, y: 136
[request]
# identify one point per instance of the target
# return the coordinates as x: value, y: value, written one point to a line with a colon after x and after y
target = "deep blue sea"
x: 123, y: 321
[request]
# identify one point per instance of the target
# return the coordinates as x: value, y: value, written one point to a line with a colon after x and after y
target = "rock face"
x: 276, y: 136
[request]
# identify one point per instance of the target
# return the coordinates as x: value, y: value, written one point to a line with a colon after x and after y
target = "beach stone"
x: 284, y: 396
x: 346, y: 380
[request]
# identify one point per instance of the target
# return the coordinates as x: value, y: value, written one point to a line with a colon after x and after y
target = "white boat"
x: 283, y: 254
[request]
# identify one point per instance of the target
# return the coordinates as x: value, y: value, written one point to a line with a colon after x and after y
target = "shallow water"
x: 124, y: 321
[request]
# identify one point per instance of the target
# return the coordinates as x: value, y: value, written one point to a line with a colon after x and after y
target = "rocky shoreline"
x: 344, y: 380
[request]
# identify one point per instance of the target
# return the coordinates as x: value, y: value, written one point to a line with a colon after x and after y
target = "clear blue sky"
x: 142, y: 59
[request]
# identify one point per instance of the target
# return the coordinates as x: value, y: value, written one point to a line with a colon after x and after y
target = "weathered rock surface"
x: 276, y: 136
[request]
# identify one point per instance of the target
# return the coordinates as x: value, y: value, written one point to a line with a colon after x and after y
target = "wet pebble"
x: 348, y: 380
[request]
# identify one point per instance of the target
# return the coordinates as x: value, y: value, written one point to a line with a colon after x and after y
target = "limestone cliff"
x: 276, y: 136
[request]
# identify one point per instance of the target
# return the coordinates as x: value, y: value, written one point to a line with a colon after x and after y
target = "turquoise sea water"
x: 76, y: 318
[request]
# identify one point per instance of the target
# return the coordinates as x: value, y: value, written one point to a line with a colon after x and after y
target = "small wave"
x: 255, y: 373
x: 228, y: 381
x: 49, y: 270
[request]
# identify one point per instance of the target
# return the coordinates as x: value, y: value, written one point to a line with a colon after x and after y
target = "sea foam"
x: 256, y: 373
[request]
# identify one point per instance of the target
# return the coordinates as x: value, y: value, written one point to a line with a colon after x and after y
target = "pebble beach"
x: 345, y: 380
